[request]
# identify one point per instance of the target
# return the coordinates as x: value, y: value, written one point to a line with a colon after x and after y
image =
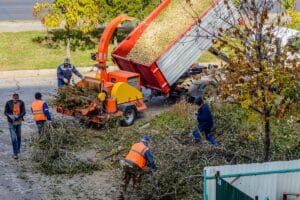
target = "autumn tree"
x: 257, y: 75
x: 290, y: 6
x: 86, y: 15
x: 75, y: 14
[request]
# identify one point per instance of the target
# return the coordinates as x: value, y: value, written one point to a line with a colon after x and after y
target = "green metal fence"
x: 225, y: 191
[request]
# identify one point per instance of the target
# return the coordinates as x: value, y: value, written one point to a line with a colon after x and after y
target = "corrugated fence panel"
x: 174, y: 62
x: 269, y: 185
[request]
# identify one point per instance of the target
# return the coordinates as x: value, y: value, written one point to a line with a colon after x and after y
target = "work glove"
x: 17, y: 117
x: 153, y: 171
x: 65, y: 80
x: 49, y: 124
x: 12, y: 117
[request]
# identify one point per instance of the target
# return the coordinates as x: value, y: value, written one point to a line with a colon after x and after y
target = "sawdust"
x: 166, y: 28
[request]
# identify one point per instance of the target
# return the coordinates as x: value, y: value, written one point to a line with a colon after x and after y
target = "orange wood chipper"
x: 119, y: 91
x: 169, y: 74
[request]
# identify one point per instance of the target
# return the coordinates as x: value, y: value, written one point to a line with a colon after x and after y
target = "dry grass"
x: 163, y: 30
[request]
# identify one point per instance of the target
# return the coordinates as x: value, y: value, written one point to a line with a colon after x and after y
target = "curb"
x: 46, y: 72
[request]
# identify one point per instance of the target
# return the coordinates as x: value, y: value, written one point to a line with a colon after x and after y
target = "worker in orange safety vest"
x: 15, y: 111
x: 136, y: 161
x: 40, y: 111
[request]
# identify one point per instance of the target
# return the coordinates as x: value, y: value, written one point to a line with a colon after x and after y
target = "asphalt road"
x: 17, y: 9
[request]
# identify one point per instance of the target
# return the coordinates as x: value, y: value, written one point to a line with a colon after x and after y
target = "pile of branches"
x: 181, y: 167
x: 72, y: 97
x: 55, y: 149
x: 179, y: 160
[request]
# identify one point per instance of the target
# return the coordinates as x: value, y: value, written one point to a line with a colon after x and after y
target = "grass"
x: 18, y: 51
x: 207, y: 57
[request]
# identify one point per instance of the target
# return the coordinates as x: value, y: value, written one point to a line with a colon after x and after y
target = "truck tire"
x: 130, y: 115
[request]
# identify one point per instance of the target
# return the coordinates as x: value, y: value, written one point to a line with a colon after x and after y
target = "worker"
x: 136, y: 161
x: 64, y: 73
x: 15, y: 111
x: 40, y: 111
x: 205, y: 121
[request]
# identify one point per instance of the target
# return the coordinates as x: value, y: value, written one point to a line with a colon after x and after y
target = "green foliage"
x: 134, y: 8
x: 238, y: 141
x: 290, y: 6
x: 56, y: 149
x: 84, y: 15
x: 56, y: 39
x: 259, y: 78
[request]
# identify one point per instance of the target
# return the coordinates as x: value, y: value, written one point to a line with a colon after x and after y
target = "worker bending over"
x: 64, y: 73
x: 40, y: 111
x: 205, y: 121
x: 136, y: 161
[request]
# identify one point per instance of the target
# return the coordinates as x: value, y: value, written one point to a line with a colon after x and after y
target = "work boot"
x: 211, y: 139
x: 121, y: 196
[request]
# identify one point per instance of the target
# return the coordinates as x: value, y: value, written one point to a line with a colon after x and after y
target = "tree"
x: 290, y: 6
x: 134, y: 8
x: 257, y: 75
x: 75, y: 14
x: 86, y: 15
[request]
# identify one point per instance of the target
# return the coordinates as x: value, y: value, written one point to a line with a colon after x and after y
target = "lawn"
x: 18, y: 51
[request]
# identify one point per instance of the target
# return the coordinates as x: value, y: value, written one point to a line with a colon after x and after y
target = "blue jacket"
x: 205, y: 118
x: 66, y: 72
x: 150, y: 162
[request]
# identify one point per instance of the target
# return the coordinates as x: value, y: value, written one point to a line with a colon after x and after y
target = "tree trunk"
x: 267, y: 138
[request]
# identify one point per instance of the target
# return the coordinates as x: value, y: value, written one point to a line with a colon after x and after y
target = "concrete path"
x: 18, y: 26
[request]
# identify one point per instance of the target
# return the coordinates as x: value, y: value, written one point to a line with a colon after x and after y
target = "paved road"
x: 17, y: 9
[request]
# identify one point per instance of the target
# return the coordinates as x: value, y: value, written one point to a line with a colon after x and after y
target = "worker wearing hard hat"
x: 64, y: 73
x: 40, y: 111
x: 136, y: 161
x: 205, y: 121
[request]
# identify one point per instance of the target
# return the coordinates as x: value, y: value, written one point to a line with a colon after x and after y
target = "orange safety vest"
x: 37, y: 110
x: 16, y: 108
x: 137, y: 155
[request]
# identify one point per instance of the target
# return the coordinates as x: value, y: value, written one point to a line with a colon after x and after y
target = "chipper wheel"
x: 130, y: 115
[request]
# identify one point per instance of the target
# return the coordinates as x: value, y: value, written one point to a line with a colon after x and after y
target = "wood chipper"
x: 119, y: 91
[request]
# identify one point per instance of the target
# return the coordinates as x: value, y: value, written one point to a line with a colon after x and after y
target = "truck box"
x: 179, y: 55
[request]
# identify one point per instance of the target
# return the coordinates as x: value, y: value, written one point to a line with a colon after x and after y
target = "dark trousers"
x: 41, y: 126
x: 15, y: 135
x: 60, y: 83
x: 197, y: 135
x: 131, y: 173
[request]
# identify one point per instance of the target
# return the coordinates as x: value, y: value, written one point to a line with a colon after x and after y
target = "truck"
x: 170, y: 74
